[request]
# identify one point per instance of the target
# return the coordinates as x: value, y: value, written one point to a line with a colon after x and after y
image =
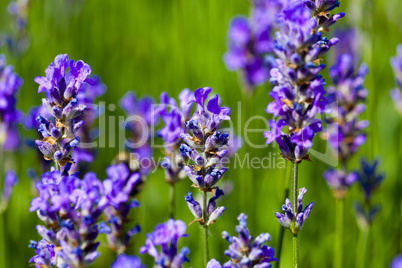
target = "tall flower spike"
x: 61, y: 89
x: 345, y: 133
x: 10, y: 180
x: 167, y: 235
x: 119, y: 187
x: 299, y: 91
x: 244, y: 251
x: 396, y: 93
x: 10, y: 83
x: 250, y: 43
x: 294, y: 220
x: 70, y: 208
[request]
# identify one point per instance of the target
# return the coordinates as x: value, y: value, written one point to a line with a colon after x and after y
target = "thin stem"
x: 296, y: 251
x: 294, y: 196
x: 2, y: 225
x: 57, y: 166
x: 288, y: 178
x: 205, y: 227
x: 338, y: 252
x: 362, y: 248
x: 171, y: 201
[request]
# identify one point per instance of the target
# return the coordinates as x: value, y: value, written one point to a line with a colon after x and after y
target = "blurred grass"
x: 158, y: 45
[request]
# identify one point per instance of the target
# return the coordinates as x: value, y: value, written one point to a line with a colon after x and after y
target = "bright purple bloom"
x: 10, y: 82
x: 396, y: 93
x: 125, y: 261
x: 340, y: 181
x: 214, y: 264
x: 294, y: 219
x: 119, y: 187
x: 321, y: 9
x: 59, y: 130
x: 244, y: 251
x: 45, y: 254
x: 396, y: 262
x: 299, y: 91
x: 70, y: 208
x: 167, y: 235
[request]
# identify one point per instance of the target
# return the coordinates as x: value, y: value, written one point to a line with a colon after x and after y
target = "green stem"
x: 282, y: 230
x: 362, y: 248
x: 338, y: 253
x: 205, y: 227
x: 296, y: 251
x: 3, y: 253
x: 171, y: 201
x: 294, y: 196
x: 57, y: 166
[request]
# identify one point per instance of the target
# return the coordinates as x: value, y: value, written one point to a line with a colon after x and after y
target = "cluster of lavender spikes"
x: 250, y: 44
x: 70, y: 208
x: 243, y: 251
x: 61, y: 89
x: 396, y: 93
x: 345, y: 132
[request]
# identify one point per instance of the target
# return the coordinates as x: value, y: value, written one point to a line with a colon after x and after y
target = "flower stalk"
x: 205, y: 227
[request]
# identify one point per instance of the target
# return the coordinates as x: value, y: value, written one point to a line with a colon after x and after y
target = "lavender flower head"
x: 141, y: 119
x: 167, y: 235
x: 70, y: 209
x: 124, y: 261
x: 61, y: 89
x: 250, y: 43
x: 294, y: 219
x: 369, y: 180
x: 118, y: 189
x: 174, y: 117
x: 299, y: 91
x: 45, y: 254
x: 243, y: 251
x: 340, y: 181
x: 396, y: 93
x: 10, y: 82
x: 205, y: 147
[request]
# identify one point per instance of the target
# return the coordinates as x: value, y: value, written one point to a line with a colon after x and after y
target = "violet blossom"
x: 396, y: 93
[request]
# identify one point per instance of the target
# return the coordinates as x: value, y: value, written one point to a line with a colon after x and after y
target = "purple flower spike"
x: 396, y: 93
x: 167, y: 235
x: 340, y: 181
x: 369, y: 179
x: 244, y: 250
x: 293, y: 218
x: 298, y: 96
x: 10, y: 82
x: 9, y: 181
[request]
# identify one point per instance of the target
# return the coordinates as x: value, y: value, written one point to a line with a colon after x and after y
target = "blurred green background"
x: 167, y: 45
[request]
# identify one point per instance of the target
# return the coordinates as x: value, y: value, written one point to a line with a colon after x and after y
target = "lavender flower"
x: 396, y: 262
x: 250, y: 43
x: 70, y: 208
x: 45, y: 254
x: 174, y: 117
x: 396, y: 93
x: 124, y: 261
x: 321, y: 10
x: 369, y: 180
x: 345, y: 132
x: 118, y: 188
x: 142, y: 117
x: 205, y: 147
x: 214, y: 264
x: 243, y: 251
x: 10, y: 82
x: 61, y: 89
x: 9, y: 181
x: 299, y: 91
x: 294, y: 219
x: 167, y: 235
